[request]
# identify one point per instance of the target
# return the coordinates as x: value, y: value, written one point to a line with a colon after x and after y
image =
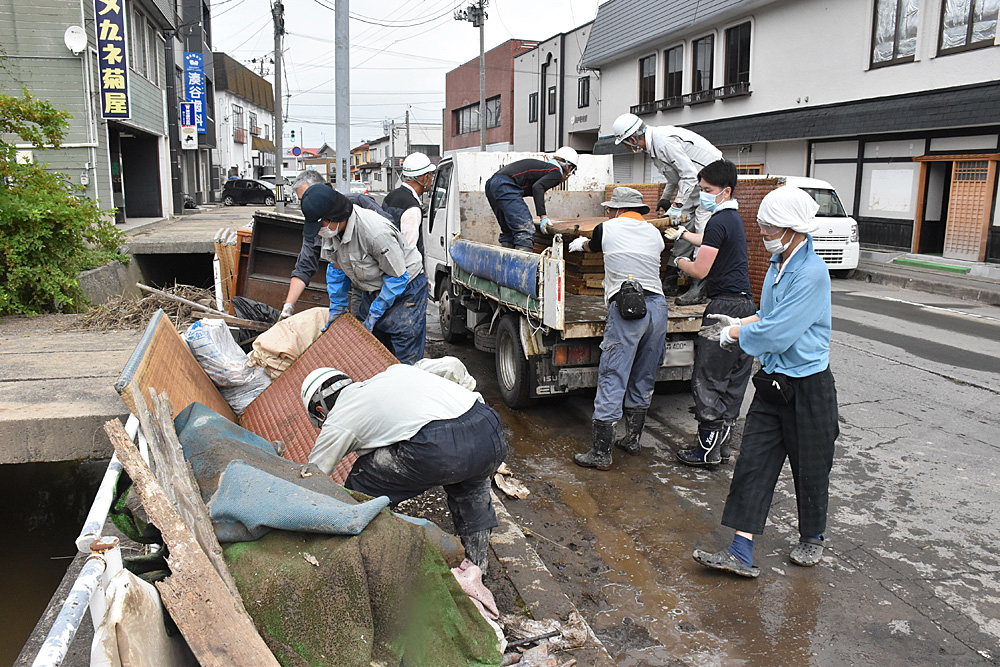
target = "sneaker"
x: 727, y: 562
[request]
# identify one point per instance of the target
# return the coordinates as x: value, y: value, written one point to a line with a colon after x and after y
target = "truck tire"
x: 513, y: 370
x: 449, y: 310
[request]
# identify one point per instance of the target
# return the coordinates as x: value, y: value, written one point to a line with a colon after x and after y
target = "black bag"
x: 774, y: 387
x: 630, y: 300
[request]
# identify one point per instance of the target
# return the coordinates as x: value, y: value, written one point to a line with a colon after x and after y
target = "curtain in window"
x: 890, y: 22
x: 984, y: 20
x: 955, y: 23
x: 908, y: 29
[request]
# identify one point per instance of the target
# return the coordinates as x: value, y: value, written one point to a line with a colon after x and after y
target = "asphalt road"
x: 911, y: 575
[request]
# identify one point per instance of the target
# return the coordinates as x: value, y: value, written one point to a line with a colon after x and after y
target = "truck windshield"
x: 829, y: 203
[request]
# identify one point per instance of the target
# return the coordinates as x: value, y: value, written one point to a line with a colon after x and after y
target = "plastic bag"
x: 248, y: 309
x: 213, y: 346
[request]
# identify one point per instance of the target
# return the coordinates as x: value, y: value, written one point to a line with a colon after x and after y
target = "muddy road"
x: 911, y: 574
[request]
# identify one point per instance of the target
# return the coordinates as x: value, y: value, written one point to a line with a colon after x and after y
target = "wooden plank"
x: 215, y: 625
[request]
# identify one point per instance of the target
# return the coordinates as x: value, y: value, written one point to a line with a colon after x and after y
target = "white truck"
x: 514, y: 303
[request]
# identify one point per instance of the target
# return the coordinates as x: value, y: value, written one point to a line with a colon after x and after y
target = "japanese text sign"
x: 189, y: 129
x: 112, y: 50
x: 194, y: 86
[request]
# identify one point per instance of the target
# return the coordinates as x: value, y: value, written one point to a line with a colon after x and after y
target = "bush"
x: 49, y: 231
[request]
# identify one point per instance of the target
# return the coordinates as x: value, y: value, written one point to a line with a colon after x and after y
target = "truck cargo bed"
x: 585, y: 316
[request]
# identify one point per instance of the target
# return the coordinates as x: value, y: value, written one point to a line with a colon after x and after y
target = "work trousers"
x: 720, y: 377
x: 631, y: 353
x: 460, y: 454
x: 403, y: 327
x: 697, y: 220
x: 804, y: 432
x: 516, y: 224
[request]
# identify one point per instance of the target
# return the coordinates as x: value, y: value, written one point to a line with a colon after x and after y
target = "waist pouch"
x: 630, y: 300
x: 774, y: 388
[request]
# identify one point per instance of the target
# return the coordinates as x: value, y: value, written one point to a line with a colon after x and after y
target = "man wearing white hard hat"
x: 794, y: 410
x: 403, y: 203
x: 507, y: 188
x: 679, y: 155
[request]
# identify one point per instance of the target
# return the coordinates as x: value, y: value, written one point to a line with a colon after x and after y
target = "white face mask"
x: 326, y: 232
x: 775, y: 246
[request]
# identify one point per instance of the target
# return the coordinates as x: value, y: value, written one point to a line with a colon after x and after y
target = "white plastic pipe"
x: 98, y: 514
x: 56, y: 644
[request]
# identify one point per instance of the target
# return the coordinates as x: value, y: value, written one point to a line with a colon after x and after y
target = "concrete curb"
x: 932, y: 282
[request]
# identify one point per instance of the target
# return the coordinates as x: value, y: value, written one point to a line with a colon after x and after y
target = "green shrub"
x: 49, y: 231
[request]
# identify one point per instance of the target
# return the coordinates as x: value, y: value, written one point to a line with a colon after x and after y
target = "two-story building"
x: 244, y: 102
x: 895, y: 102
x: 360, y: 158
x: 388, y: 152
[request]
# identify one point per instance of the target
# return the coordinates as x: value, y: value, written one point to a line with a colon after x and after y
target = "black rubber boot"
x: 670, y: 281
x: 599, y: 455
x: 477, y: 548
x: 706, y: 452
x: 695, y: 294
x: 506, y: 244
x: 725, y: 453
x: 525, y: 248
x: 635, y: 419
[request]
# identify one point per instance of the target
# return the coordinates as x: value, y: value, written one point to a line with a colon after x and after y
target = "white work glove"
x: 673, y: 233
x: 543, y: 225
x: 726, y: 341
x: 287, y: 311
x: 725, y: 320
x: 676, y: 217
x: 576, y: 245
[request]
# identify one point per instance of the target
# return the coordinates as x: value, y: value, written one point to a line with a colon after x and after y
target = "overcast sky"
x: 392, y: 68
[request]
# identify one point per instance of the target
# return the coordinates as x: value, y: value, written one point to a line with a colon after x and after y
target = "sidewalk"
x: 980, y: 284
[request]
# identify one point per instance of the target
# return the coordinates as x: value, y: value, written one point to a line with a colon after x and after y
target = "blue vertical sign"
x: 112, y: 58
x: 194, y: 85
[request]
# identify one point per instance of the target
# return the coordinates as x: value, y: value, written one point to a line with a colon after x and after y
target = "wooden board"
x: 215, y: 625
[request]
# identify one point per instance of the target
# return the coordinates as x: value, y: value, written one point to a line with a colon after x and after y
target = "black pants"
x: 804, y: 431
x: 719, y: 379
x: 460, y: 454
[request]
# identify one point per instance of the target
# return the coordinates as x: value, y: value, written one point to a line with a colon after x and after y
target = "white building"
x: 896, y: 102
x: 556, y: 101
x: 244, y: 104
x: 386, y: 154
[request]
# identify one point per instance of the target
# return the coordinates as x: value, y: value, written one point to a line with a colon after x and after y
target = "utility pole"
x: 407, y: 131
x: 342, y: 74
x: 476, y: 14
x: 392, y: 155
x: 278, y: 14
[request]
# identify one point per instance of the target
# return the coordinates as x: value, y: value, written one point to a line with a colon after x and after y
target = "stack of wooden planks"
x: 227, y: 252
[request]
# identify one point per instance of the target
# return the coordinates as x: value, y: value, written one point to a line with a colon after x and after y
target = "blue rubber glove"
x: 392, y: 287
x: 543, y: 224
x: 338, y: 287
x: 333, y: 315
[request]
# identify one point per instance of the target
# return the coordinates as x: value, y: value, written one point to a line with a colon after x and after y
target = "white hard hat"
x: 567, y: 154
x: 416, y: 164
x: 625, y: 126
x: 319, y: 392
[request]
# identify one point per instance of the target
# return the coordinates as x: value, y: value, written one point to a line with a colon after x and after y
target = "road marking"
x: 953, y: 311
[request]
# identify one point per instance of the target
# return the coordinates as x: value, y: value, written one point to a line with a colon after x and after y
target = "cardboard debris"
x: 511, y: 486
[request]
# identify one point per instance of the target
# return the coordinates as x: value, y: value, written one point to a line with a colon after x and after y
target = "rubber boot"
x: 635, y: 419
x: 670, y: 281
x: 600, y: 454
x: 477, y: 548
x: 695, y: 293
x: 706, y: 452
x: 506, y: 244
x: 525, y: 248
x: 725, y: 453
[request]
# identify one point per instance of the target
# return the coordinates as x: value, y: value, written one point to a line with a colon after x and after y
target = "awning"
x: 259, y: 144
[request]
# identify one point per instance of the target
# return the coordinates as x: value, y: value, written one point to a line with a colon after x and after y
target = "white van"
x: 836, y: 238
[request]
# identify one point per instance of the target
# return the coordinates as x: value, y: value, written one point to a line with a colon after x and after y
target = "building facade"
x: 895, y: 102
x: 386, y: 154
x: 461, y: 113
x: 244, y: 102
x: 556, y: 101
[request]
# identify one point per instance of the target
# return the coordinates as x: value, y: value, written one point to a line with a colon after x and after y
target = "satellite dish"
x: 75, y: 39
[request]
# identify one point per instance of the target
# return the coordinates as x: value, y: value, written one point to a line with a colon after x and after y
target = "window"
x: 254, y: 127
x: 493, y: 112
x: 466, y: 119
x: 533, y: 108
x: 894, y: 31
x: 967, y: 24
x: 971, y: 171
x: 647, y: 80
x: 237, y: 117
x: 137, y: 50
x: 738, y: 54
x: 152, y: 45
x: 673, y: 75
x: 702, y: 53
x: 583, y: 92
x: 267, y: 131
x: 750, y: 169
x: 552, y: 100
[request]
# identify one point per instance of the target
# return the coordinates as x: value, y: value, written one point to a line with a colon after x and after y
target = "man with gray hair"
x: 308, y: 260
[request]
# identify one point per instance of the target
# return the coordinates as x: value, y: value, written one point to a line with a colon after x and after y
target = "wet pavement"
x: 910, y: 575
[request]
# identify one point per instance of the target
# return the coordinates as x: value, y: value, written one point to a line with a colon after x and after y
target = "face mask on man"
x: 775, y: 246
x: 326, y: 232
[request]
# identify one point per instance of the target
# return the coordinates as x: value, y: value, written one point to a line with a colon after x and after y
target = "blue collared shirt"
x: 793, y: 334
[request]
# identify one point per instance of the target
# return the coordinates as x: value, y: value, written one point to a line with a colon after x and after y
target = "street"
x: 910, y: 574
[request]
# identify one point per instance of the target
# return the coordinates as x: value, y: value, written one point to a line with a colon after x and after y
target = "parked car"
x: 359, y: 187
x: 836, y: 239
x: 247, y: 191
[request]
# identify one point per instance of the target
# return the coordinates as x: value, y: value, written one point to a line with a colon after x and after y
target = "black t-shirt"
x: 726, y: 233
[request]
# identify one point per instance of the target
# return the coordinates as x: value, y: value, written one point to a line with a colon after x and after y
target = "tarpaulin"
x: 515, y: 269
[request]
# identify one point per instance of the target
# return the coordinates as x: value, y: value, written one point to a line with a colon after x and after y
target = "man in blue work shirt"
x: 794, y: 410
x: 365, y: 250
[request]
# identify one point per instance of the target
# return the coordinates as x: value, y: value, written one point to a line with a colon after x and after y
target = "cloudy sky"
x: 400, y: 52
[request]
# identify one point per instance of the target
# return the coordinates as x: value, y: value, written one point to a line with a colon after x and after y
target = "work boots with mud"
x: 706, y: 452
x: 600, y: 454
x: 695, y: 293
x: 477, y: 548
x: 725, y: 451
x: 635, y: 419
x: 670, y: 277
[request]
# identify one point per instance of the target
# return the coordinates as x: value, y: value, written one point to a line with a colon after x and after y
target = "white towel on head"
x: 789, y: 207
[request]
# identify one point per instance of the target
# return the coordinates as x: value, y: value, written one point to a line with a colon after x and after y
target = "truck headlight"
x: 854, y: 233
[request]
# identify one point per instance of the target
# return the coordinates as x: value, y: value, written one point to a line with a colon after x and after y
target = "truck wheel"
x: 843, y: 273
x: 449, y: 312
x: 513, y: 371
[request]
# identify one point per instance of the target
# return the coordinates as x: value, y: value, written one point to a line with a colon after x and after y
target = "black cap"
x: 321, y: 202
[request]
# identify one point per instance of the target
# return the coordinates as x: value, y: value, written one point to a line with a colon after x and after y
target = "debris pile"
x: 122, y: 312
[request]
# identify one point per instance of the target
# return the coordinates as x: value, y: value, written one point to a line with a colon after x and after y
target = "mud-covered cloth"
x: 719, y: 379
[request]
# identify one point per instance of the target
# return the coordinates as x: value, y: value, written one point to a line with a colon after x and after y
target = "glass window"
x: 152, y: 47
x: 583, y: 92
x: 702, y: 67
x: 647, y: 80
x: 440, y: 196
x: 254, y: 128
x: 894, y: 32
x: 552, y: 100
x: 493, y: 112
x: 674, y: 75
x: 829, y: 203
x: 533, y: 107
x: 237, y: 117
x: 466, y: 119
x: 138, y: 46
x: 738, y: 54
x: 750, y: 169
x: 968, y: 24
